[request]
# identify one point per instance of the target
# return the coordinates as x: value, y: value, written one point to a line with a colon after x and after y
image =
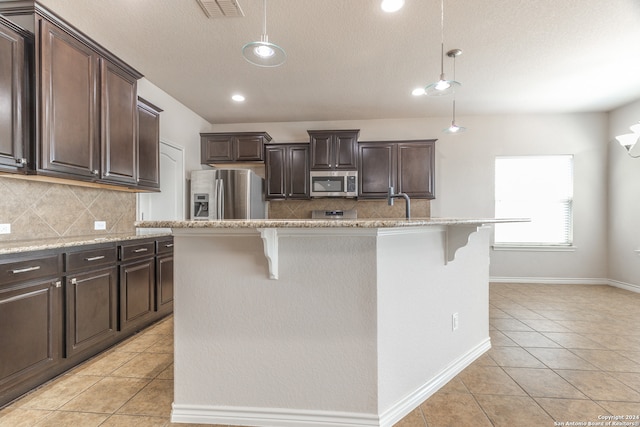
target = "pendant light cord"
x: 264, y: 22
x: 441, y: 39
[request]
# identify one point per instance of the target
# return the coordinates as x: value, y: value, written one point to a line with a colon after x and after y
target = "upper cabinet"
x: 148, y: 145
x: 84, y: 102
x: 287, y: 171
x: 14, y: 120
x: 334, y: 150
x: 232, y: 147
x: 408, y: 166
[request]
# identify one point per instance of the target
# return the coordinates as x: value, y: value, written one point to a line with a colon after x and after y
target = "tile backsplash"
x: 40, y: 210
x: 301, y: 209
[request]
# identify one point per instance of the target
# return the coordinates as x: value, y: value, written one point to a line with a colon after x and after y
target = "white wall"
x: 624, y: 201
x: 465, y: 176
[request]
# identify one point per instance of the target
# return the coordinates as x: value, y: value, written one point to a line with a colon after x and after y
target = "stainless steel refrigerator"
x: 227, y: 194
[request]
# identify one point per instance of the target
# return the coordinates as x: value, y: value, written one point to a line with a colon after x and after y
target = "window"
x: 536, y: 187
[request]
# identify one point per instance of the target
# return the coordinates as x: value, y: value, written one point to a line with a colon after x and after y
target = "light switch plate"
x: 100, y: 225
x: 5, y: 228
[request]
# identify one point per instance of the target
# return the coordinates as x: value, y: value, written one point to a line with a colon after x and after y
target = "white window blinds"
x: 536, y: 187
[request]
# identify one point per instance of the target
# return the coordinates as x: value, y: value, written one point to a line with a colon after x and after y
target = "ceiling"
x: 348, y: 60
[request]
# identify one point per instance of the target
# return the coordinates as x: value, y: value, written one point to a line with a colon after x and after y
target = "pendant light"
x: 443, y: 86
x: 454, y: 128
x: 630, y: 140
x: 264, y: 53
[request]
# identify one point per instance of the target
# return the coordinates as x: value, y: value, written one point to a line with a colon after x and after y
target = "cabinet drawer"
x: 30, y: 268
x: 90, y: 258
x: 137, y: 250
x: 164, y: 246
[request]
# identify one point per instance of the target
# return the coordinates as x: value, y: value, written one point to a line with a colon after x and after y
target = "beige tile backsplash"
x: 301, y: 209
x: 40, y: 210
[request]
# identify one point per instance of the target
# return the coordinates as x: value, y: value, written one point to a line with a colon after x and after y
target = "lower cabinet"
x: 62, y: 306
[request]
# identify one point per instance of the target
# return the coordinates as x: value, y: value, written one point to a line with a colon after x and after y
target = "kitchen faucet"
x: 391, y: 196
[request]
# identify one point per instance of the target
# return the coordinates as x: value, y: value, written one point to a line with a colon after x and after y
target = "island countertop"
x: 320, y: 223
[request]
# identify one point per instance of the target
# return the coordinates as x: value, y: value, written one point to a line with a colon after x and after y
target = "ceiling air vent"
x: 221, y: 8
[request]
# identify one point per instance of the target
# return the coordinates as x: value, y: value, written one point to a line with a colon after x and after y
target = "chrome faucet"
x: 391, y: 196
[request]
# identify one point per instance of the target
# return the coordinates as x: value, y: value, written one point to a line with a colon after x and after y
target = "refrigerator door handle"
x: 219, y: 199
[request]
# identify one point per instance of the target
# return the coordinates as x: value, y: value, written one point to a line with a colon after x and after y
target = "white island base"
x: 356, y: 330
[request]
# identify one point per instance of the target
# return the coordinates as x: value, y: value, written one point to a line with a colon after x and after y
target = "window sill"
x: 534, y: 248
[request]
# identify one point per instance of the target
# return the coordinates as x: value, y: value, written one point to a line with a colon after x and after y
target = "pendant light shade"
x: 442, y: 86
x: 263, y: 53
x: 630, y: 140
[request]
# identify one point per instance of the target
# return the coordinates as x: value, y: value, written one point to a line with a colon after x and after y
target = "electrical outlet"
x: 454, y: 321
x: 100, y: 225
x: 5, y: 228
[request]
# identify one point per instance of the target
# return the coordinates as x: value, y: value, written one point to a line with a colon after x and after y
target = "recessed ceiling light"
x: 238, y: 98
x: 418, y: 91
x: 391, y: 5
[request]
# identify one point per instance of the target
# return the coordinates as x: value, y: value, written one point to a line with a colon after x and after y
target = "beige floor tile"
x: 544, y: 325
x: 413, y: 419
x: 20, y: 417
x: 564, y: 410
x: 572, y: 340
x: 531, y: 339
x: 454, y: 386
x: 561, y: 358
x: 498, y: 339
x: 509, y: 325
x: 135, y: 420
x: 544, y: 383
x: 622, y: 408
x: 617, y: 342
x: 633, y: 355
x: 453, y: 410
x: 512, y: 411
x: 608, y: 360
x: 523, y: 314
x: 515, y: 357
x: 138, y: 343
x: 144, y: 365
x: 166, y: 374
x: 72, y: 419
x: 496, y: 313
x: 107, y: 395
x: 153, y: 400
x: 632, y: 379
x: 489, y: 380
x: 59, y: 392
x: 163, y: 345
x: 105, y: 365
x: 600, y: 386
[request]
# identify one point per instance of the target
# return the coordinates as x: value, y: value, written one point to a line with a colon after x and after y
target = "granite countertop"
x: 17, y: 246
x: 321, y: 223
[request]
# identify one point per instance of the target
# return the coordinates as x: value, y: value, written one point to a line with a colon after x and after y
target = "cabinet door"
x: 119, y: 125
x: 249, y: 148
x: 30, y: 327
x: 275, y: 171
x: 13, y: 99
x: 148, y: 145
x: 216, y: 149
x: 416, y: 169
x: 377, y: 169
x: 91, y: 312
x: 137, y: 293
x: 298, y: 185
x: 69, y: 138
x: 345, y: 150
x: 321, y: 145
x: 164, y: 287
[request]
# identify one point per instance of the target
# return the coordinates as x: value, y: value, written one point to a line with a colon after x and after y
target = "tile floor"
x: 561, y: 353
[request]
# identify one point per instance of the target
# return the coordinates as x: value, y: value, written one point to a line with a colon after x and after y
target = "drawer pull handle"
x: 94, y: 258
x: 25, y: 270
x: 137, y: 251
x: 168, y: 245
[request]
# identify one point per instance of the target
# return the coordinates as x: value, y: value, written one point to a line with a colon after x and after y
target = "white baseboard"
x: 275, y: 417
x: 566, y: 281
x: 402, y: 408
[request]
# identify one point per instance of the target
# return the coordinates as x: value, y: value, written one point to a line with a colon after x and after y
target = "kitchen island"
x: 324, y: 323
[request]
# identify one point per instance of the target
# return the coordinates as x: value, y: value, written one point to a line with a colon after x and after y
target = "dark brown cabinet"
x: 137, y: 284
x: 14, y: 120
x: 30, y: 321
x: 334, y: 150
x: 287, y: 171
x: 91, y: 298
x: 148, y: 145
x: 164, y: 276
x: 408, y: 166
x: 232, y: 147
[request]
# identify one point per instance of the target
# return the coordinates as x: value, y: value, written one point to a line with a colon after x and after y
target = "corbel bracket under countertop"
x: 457, y: 236
x: 270, y: 242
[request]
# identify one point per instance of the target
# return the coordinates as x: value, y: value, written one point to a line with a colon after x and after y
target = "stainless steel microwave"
x: 334, y: 183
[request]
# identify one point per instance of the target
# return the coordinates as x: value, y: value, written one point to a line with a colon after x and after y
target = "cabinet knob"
x: 21, y: 162
x: 94, y: 172
x: 57, y: 284
x: 74, y: 281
